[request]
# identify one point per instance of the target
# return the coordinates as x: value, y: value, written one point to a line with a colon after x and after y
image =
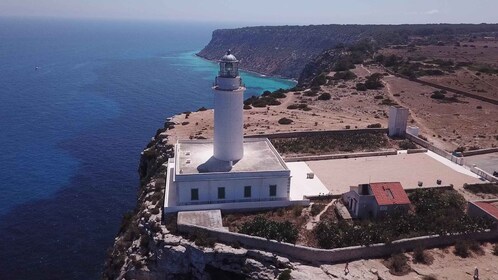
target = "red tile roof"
x: 389, y: 193
x: 489, y: 208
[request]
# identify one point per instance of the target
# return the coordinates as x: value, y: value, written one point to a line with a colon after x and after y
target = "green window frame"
x: 273, y: 190
x: 221, y: 193
x: 194, y: 194
x: 247, y: 191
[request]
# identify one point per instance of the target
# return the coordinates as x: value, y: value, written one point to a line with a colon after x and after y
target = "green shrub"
x: 374, y: 81
x: 475, y: 247
x: 262, y: 227
x: 297, y: 210
x: 344, y: 75
x: 438, y: 94
x: 324, y: 96
x: 487, y: 188
x: 407, y: 144
x: 285, y: 275
x: 462, y: 249
x: 374, y: 125
x: 361, y: 87
x: 398, y: 264
x: 316, y: 209
x: 421, y: 256
x: 495, y: 249
x: 285, y: 121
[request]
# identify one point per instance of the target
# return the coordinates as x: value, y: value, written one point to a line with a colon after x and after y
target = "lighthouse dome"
x: 228, y: 57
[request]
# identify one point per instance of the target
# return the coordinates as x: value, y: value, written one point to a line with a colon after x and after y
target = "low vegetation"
x: 398, y: 264
x: 422, y: 256
x: 262, y: 227
x: 285, y: 121
x: 329, y: 143
x: 484, y: 188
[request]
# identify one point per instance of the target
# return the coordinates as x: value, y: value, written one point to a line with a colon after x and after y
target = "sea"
x: 79, y: 100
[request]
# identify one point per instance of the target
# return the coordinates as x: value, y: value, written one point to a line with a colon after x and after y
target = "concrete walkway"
x: 315, y: 220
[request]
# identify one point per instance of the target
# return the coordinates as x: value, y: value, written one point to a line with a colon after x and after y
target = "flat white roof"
x: 301, y: 185
x: 196, y: 156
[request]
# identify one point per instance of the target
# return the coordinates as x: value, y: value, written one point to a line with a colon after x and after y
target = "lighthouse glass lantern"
x: 229, y: 66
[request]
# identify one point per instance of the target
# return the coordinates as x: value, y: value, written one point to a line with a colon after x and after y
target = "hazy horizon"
x: 258, y: 12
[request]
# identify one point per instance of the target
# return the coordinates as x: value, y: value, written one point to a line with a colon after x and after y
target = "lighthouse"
x: 228, y: 111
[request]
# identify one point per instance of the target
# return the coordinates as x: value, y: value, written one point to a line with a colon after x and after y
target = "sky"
x: 257, y: 12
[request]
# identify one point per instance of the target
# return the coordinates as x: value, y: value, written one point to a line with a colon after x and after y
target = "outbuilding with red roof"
x: 376, y: 199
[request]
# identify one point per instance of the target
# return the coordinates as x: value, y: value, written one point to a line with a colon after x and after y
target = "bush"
x: 285, y: 121
x: 316, y: 209
x: 374, y: 125
x: 488, y: 188
x: 378, y: 97
x: 297, y: 210
x: 202, y: 239
x: 421, y: 256
x: 374, y: 81
x: 344, y: 75
x: 285, y: 275
x: 407, y: 144
x: 438, y: 94
x: 324, y: 96
x: 475, y: 247
x: 361, y: 87
x: 462, y: 249
x: 429, y: 277
x: 262, y: 227
x: 247, y: 107
x: 398, y: 264
x: 495, y: 249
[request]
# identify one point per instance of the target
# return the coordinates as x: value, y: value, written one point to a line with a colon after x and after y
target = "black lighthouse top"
x: 229, y: 66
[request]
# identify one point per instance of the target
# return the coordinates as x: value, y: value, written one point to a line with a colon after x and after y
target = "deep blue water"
x: 72, y: 131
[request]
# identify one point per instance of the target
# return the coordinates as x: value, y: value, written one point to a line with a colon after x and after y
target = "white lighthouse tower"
x: 228, y: 111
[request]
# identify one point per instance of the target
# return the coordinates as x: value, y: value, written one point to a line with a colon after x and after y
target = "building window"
x: 221, y: 193
x: 247, y: 191
x: 273, y: 190
x: 194, y: 194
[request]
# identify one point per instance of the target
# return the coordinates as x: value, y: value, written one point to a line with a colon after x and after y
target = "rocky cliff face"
x: 278, y: 50
x: 285, y: 50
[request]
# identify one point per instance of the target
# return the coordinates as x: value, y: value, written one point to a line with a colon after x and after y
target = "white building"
x: 398, y: 118
x: 230, y: 172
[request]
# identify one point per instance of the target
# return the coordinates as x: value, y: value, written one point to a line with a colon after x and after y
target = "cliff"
x: 285, y: 50
x: 277, y: 50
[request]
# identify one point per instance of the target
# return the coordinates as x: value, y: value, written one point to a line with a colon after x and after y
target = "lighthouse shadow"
x: 215, y: 165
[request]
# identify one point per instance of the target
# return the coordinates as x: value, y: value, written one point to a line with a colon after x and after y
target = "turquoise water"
x: 72, y: 131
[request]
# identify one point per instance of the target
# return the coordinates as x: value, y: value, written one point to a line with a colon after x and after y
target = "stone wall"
x: 315, y: 255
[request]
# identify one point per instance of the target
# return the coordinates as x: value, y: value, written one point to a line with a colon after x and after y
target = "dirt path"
x: 315, y: 220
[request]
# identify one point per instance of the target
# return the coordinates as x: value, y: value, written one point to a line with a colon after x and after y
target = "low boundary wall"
x: 432, y: 148
x: 483, y: 174
x: 346, y: 254
x: 461, y: 92
x: 315, y: 133
x: 480, y: 152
